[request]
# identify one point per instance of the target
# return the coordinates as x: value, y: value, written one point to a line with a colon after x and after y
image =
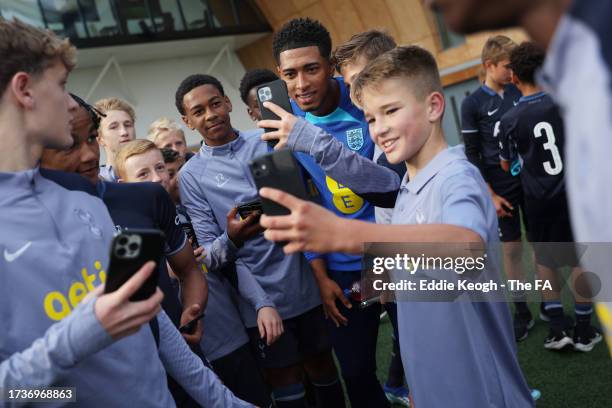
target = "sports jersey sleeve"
x: 377, y: 184
x: 250, y: 289
x: 220, y: 250
x: 168, y: 221
x: 470, y: 133
x: 63, y: 345
x: 187, y: 369
x: 464, y: 203
x: 507, y: 139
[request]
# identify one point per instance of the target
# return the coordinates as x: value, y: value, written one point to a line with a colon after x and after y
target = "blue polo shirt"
x: 464, y: 349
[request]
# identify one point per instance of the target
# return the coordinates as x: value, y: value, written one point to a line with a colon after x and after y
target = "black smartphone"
x: 190, y: 326
x: 244, y: 210
x: 130, y: 250
x: 275, y: 92
x: 278, y: 170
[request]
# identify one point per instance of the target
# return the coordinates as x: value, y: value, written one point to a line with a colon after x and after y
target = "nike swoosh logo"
x: 10, y: 257
x: 490, y: 113
x: 223, y: 183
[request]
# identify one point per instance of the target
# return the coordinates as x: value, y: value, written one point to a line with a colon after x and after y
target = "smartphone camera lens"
x: 121, y: 252
x: 123, y: 240
x: 133, y: 247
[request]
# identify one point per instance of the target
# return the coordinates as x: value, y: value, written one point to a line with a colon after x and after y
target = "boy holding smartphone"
x: 279, y: 300
x: 445, y: 200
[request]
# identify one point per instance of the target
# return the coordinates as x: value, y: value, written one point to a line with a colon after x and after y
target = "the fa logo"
x: 354, y: 138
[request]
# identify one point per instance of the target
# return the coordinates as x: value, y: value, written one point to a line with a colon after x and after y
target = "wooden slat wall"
x: 408, y: 21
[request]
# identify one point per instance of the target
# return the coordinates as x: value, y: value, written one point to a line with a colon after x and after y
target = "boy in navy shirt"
x: 480, y: 115
x: 532, y: 137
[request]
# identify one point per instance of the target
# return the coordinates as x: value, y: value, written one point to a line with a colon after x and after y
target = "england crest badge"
x: 354, y: 138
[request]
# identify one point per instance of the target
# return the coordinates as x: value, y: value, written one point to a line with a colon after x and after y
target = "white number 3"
x: 557, y: 165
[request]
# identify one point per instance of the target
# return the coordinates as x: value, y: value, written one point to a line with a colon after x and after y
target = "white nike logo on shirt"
x: 10, y: 257
x: 492, y: 112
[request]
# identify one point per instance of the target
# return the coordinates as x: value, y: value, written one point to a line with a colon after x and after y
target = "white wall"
x: 153, y: 84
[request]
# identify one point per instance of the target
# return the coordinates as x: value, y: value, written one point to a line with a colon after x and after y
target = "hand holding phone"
x: 281, y: 171
x: 130, y: 250
x: 275, y: 92
x: 244, y: 210
x: 189, y: 327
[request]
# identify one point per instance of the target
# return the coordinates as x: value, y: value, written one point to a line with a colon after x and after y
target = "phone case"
x: 130, y: 250
x: 276, y: 92
x: 247, y: 208
x: 278, y: 170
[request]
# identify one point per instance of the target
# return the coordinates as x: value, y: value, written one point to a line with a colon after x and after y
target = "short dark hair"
x: 191, y: 82
x: 94, y: 114
x: 525, y: 60
x: 369, y: 44
x: 299, y: 33
x: 253, y: 78
x: 170, y: 156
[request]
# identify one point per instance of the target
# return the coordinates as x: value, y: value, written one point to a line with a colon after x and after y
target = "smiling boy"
x: 457, y: 353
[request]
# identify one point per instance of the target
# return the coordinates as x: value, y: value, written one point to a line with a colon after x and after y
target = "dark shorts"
x: 550, y: 232
x: 240, y: 373
x: 509, y: 187
x: 304, y: 335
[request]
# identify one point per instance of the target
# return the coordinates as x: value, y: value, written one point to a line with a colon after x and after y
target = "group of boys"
x: 274, y: 314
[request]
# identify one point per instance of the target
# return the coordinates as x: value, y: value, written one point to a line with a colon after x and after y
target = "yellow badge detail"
x: 344, y: 199
x: 58, y: 306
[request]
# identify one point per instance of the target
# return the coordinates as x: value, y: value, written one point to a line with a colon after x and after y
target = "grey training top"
x: 55, y: 250
x: 211, y: 184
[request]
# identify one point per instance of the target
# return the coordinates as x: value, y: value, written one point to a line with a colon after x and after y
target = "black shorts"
x: 239, y: 372
x: 550, y: 232
x: 508, y: 187
x: 304, y: 335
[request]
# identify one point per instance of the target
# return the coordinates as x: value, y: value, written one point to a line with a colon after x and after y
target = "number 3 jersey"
x: 532, y: 132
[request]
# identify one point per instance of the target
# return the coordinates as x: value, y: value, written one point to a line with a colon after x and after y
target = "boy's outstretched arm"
x: 375, y: 183
x: 311, y: 227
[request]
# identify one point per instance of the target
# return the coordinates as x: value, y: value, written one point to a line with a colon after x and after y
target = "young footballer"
x: 226, y: 344
x: 480, y: 115
x: 302, y: 49
x: 56, y: 249
x: 279, y: 301
x: 349, y: 60
x: 532, y: 138
x: 116, y: 128
x: 167, y: 134
x: 447, y: 346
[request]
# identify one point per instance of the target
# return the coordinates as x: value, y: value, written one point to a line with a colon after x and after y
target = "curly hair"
x: 299, y: 33
x: 253, y: 78
x: 525, y: 61
x: 191, y: 82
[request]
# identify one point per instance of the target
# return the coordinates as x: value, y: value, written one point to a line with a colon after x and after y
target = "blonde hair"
x: 161, y: 126
x: 497, y: 48
x: 109, y: 104
x: 24, y: 48
x: 133, y: 148
x: 413, y: 63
